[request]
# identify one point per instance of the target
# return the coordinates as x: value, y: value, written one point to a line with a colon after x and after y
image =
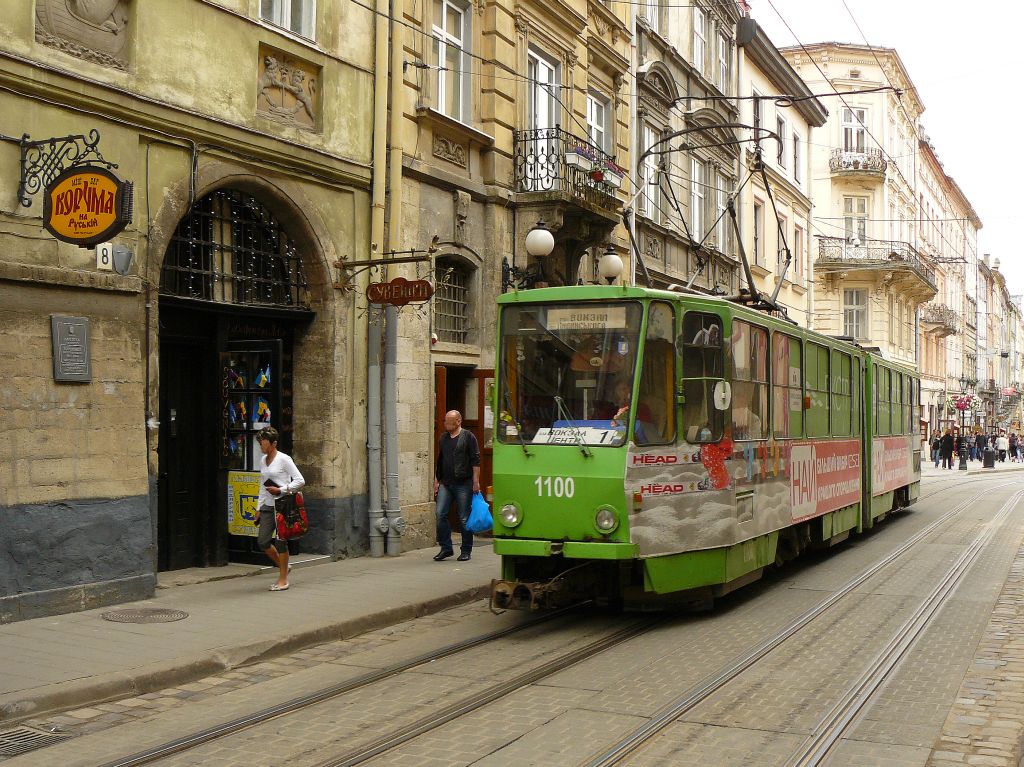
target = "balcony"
x: 897, y: 260
x: 553, y: 165
x: 939, y: 319
x: 869, y: 163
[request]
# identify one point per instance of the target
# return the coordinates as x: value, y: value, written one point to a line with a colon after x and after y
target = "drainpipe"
x: 395, y: 521
x: 378, y: 523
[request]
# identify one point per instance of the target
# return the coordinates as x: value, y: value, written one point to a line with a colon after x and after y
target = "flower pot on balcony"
x: 612, y: 178
x: 578, y: 160
x: 597, y: 175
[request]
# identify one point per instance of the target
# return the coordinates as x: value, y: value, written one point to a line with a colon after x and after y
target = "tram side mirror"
x: 722, y: 395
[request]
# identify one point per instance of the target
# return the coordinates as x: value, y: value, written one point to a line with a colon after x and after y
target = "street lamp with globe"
x: 962, y: 404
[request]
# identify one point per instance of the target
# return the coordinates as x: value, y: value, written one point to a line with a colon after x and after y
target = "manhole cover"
x: 144, y: 615
x: 23, y: 739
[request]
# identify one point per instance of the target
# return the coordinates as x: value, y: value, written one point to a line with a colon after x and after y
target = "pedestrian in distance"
x: 1002, y: 445
x: 936, y: 448
x: 1013, y: 447
x: 278, y: 476
x: 947, y: 444
x: 981, y: 441
x: 456, y: 477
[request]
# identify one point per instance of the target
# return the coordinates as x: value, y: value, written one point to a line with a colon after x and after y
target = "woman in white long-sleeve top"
x: 278, y: 476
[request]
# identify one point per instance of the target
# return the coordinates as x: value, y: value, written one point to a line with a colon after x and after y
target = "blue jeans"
x: 462, y: 494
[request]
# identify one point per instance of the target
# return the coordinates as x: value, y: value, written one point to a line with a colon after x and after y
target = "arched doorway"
x: 233, y: 295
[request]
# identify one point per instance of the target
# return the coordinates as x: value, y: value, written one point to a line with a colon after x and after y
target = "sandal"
x: 278, y: 587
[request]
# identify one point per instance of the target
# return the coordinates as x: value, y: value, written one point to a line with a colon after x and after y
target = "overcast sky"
x: 964, y: 70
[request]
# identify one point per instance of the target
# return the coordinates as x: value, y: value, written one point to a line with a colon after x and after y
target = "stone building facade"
x: 773, y: 223
x: 246, y: 129
x: 509, y: 114
x: 870, y: 276
x: 686, y: 80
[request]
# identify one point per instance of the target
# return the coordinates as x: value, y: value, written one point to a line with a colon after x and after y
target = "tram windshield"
x: 567, y: 372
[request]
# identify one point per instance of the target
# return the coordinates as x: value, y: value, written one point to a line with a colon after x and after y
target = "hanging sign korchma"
x: 399, y: 292
x: 86, y: 205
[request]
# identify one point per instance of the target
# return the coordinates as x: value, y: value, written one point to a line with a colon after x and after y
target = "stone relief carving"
x: 461, y: 200
x: 522, y: 23
x: 652, y: 249
x: 93, y: 30
x: 288, y: 89
x: 450, y: 150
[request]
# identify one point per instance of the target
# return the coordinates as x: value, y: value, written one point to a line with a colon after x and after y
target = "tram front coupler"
x: 521, y: 595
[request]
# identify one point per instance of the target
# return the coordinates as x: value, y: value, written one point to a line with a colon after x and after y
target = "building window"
x: 855, y: 218
x: 451, y: 302
x: 298, y: 16
x: 780, y: 128
x: 758, y: 232
x: 231, y: 249
x: 855, y: 313
x: 597, y: 121
x: 649, y: 10
x: 721, y: 203
x: 700, y: 38
x: 724, y: 57
x: 854, y: 132
x: 450, y: 33
x: 798, y: 252
x: 649, y: 199
x: 698, y: 183
x: 756, y: 103
x: 781, y: 257
x: 798, y: 159
x: 544, y: 84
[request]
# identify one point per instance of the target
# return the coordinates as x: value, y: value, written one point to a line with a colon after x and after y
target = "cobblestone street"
x: 954, y: 698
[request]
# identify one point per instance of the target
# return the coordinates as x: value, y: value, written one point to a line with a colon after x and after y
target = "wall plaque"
x: 86, y: 205
x: 71, y: 352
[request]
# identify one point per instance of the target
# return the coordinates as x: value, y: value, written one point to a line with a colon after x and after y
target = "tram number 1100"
x: 558, y: 487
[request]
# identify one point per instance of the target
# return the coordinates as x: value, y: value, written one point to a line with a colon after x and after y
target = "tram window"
x: 816, y: 375
x: 655, y: 410
x: 700, y: 347
x: 912, y: 411
x: 750, y: 381
x: 884, y: 424
x: 856, y: 396
x: 842, y: 395
x: 787, y: 387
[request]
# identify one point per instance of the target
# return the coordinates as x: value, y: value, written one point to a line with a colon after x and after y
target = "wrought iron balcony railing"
x: 867, y: 161
x: 941, y: 316
x: 554, y: 160
x: 874, y: 253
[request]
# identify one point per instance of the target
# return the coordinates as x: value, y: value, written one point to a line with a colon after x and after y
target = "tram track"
x: 239, y: 724
x: 437, y: 719
x: 706, y: 688
x: 420, y: 726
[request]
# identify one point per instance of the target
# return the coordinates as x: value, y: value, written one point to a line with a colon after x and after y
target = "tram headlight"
x: 511, y: 515
x: 606, y: 520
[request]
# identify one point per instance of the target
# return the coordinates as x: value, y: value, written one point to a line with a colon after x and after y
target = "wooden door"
x: 183, y: 473
x: 479, y: 418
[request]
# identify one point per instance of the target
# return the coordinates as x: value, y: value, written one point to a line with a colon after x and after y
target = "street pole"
x: 963, y: 443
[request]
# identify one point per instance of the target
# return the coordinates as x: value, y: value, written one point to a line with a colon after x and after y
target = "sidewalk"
x: 80, y: 658
x: 928, y: 469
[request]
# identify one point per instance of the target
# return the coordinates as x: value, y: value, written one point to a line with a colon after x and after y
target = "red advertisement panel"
x: 892, y: 464
x: 824, y: 476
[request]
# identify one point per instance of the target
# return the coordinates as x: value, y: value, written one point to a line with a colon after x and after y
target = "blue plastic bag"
x: 479, y: 515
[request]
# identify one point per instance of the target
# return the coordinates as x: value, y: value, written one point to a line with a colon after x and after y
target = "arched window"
x: 231, y: 249
x: 451, y: 301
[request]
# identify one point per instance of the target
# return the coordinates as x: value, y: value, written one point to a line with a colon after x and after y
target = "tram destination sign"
x: 86, y: 205
x: 399, y: 292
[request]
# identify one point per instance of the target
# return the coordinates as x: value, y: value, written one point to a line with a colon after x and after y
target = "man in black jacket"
x: 456, y: 477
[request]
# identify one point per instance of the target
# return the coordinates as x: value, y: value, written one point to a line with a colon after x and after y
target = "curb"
x: 76, y: 693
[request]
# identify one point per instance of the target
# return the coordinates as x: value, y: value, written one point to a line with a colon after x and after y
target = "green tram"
x: 654, y: 448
